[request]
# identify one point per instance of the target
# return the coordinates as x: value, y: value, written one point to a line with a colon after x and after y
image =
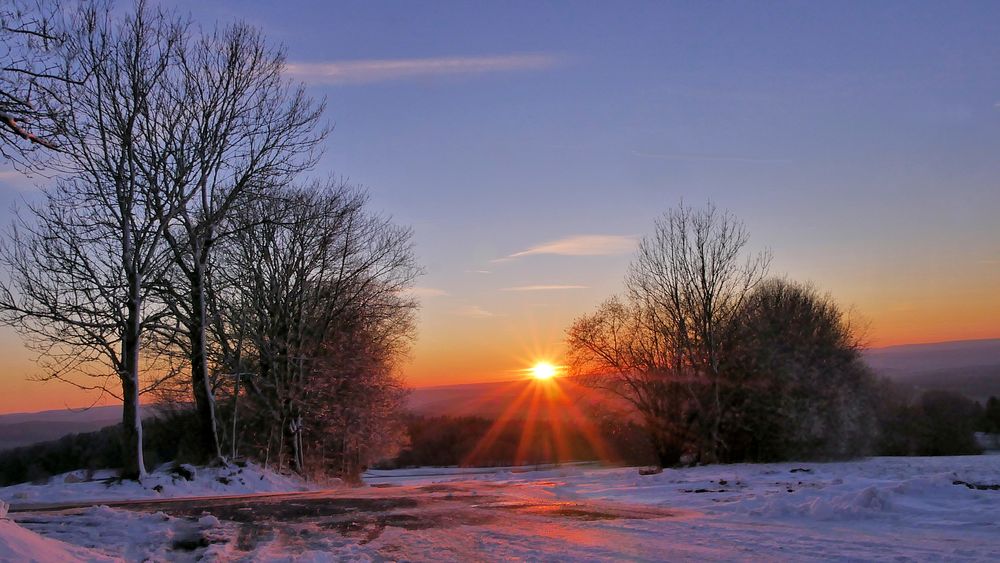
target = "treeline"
x: 180, y: 251
x: 481, y: 442
x: 934, y: 422
x: 166, y: 437
x: 930, y: 423
x: 724, y: 363
x: 908, y: 423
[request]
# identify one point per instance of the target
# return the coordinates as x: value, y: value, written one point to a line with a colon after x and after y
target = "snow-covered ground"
x: 167, y: 481
x: 883, y: 508
x: 906, y: 490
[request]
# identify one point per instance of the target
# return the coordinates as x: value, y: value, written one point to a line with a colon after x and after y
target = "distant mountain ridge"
x: 918, y: 358
x: 22, y: 429
x: 970, y: 367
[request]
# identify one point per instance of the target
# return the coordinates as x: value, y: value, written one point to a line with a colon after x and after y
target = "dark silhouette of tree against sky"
x: 799, y: 387
x: 83, y: 263
x: 249, y: 131
x: 660, y: 347
x: 311, y: 288
x: 720, y: 363
x: 31, y: 34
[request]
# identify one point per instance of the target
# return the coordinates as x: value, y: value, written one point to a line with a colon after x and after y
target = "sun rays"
x: 551, y: 423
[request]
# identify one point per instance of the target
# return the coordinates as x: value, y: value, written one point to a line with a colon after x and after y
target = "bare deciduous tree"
x: 84, y: 264
x: 314, y: 291
x: 684, y: 289
x: 249, y: 130
x: 29, y: 32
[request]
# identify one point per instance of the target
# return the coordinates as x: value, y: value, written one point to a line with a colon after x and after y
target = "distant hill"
x: 970, y: 367
x: 22, y: 429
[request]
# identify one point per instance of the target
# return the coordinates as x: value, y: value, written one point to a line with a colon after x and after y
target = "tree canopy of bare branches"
x: 32, y: 33
x: 83, y: 264
x: 249, y: 130
x: 312, y: 297
x: 660, y: 347
x: 720, y: 363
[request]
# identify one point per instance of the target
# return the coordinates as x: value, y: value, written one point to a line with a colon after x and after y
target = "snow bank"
x: 167, y: 481
x: 135, y: 536
x: 19, y: 544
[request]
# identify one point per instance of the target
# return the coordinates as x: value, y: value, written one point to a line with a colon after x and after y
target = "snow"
x: 913, y: 489
x: 19, y: 544
x: 876, y: 509
x: 167, y: 481
x: 115, y: 534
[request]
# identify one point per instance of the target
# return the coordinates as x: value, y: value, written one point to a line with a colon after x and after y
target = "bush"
x: 935, y: 423
x: 798, y: 388
x: 990, y: 422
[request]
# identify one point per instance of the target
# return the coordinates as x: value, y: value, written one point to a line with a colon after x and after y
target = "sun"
x: 543, y: 370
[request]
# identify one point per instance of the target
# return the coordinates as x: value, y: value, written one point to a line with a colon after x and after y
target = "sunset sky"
x: 530, y: 144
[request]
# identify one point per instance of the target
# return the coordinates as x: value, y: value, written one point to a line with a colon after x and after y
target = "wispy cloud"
x: 483, y: 272
x: 424, y: 292
x: 20, y: 181
x: 381, y: 70
x: 474, y: 311
x: 555, y: 287
x: 581, y: 245
x: 710, y: 157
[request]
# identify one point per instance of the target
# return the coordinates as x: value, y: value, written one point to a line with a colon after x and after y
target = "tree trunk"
x: 667, y: 448
x: 133, y: 466
x: 294, y: 438
x: 208, y: 439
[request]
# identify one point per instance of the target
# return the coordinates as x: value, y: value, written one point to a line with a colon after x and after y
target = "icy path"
x: 885, y: 508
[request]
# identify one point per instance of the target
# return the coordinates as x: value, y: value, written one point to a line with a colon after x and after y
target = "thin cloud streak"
x: 543, y: 287
x: 710, y: 157
x: 424, y: 292
x: 22, y: 182
x: 382, y: 70
x: 475, y: 312
x: 581, y: 245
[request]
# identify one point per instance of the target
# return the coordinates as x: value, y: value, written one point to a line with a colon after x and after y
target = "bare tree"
x: 30, y: 30
x: 249, y: 130
x: 83, y: 264
x: 314, y: 291
x: 685, y: 288
x: 614, y: 350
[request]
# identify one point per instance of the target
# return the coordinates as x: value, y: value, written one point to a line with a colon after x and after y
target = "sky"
x: 530, y: 144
